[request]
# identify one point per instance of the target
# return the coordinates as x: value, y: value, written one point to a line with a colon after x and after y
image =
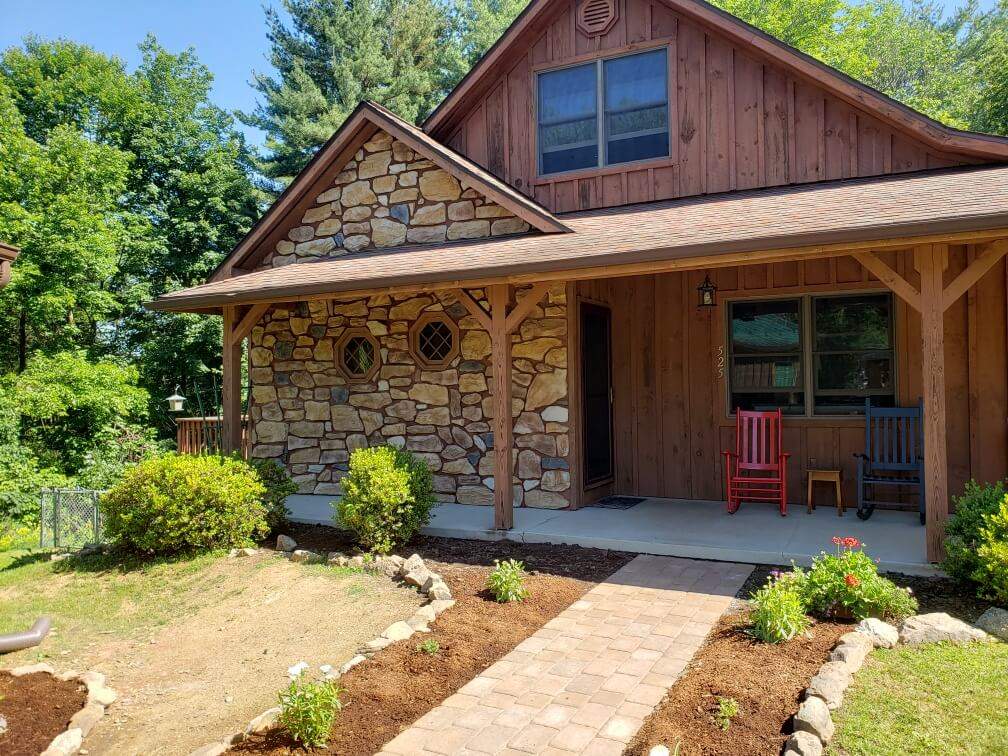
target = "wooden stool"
x: 825, y: 476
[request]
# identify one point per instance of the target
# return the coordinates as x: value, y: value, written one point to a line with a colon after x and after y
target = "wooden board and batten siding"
x: 670, y: 362
x: 738, y: 121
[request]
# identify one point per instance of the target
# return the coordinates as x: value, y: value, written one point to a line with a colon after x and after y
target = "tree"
x: 403, y: 54
x: 483, y: 23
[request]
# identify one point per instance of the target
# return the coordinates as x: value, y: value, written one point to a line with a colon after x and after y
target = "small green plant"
x: 962, y: 532
x: 430, y: 647
x: 181, y: 503
x: 506, y: 582
x: 727, y: 710
x: 847, y: 584
x: 308, y: 709
x: 387, y: 497
x: 778, y: 610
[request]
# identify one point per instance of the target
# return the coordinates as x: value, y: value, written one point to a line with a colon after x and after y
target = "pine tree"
x: 403, y: 54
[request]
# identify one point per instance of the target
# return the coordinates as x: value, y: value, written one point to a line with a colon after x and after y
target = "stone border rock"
x: 412, y: 571
x: 813, y: 723
x: 99, y: 698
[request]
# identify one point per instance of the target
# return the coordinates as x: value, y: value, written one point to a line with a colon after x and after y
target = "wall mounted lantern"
x: 708, y: 293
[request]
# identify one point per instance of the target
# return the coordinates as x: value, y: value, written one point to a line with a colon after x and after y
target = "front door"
x: 596, y: 372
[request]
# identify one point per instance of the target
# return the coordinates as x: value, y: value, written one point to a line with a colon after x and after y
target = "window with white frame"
x: 812, y: 355
x: 603, y: 113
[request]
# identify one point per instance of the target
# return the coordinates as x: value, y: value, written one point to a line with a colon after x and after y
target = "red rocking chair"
x: 757, y: 469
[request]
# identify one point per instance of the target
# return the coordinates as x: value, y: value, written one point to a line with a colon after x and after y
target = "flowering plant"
x: 847, y: 584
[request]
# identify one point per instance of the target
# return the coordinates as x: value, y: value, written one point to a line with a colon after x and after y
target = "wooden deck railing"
x: 202, y: 435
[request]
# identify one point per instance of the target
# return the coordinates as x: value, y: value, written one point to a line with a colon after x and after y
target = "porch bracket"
x: 976, y: 270
x: 521, y: 311
x: 474, y: 307
x: 244, y: 326
x: 896, y: 283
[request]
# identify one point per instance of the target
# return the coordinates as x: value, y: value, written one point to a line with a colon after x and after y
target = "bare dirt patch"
x: 204, y: 676
x: 765, y: 679
x: 38, y: 707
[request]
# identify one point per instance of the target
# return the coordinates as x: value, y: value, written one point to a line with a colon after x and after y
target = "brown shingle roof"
x: 842, y: 212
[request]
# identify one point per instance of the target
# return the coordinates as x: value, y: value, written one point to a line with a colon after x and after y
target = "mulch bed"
x: 765, y: 679
x: 397, y: 686
x: 38, y: 707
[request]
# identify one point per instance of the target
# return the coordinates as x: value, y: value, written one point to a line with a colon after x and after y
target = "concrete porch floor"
x: 677, y: 527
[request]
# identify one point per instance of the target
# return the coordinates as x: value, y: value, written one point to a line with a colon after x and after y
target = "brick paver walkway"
x: 587, y: 679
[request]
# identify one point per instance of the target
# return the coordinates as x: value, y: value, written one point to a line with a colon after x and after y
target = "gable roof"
x: 533, y: 20
x: 367, y: 119
x: 701, y: 231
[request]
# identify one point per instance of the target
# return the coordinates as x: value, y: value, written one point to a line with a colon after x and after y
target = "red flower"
x: 851, y: 543
x: 837, y: 540
x: 852, y: 580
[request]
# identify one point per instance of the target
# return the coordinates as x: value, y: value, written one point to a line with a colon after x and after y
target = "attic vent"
x: 596, y: 17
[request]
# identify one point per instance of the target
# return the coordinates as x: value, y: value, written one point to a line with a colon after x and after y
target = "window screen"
x: 636, y: 107
x: 568, y: 119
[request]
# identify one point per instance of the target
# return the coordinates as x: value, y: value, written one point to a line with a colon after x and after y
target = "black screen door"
x: 596, y: 379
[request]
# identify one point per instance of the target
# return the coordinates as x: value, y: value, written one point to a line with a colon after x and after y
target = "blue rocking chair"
x: 893, y: 455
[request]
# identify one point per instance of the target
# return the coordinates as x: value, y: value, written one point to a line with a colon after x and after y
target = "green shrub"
x: 992, y: 555
x: 778, y: 611
x: 278, y: 487
x: 387, y: 497
x: 308, y: 709
x: 430, y: 647
x: 962, y: 532
x: 507, y: 581
x: 179, y: 503
x: 848, y: 584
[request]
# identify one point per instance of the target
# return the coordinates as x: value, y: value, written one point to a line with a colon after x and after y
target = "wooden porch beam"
x: 500, y: 355
x: 248, y: 321
x: 521, y: 311
x: 474, y: 307
x: 899, y: 285
x: 976, y: 270
x: 931, y: 261
x: 231, y: 430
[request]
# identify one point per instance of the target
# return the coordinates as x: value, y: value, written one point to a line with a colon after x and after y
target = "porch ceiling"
x: 829, y: 218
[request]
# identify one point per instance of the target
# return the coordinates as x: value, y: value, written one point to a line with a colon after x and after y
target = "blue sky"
x: 229, y: 35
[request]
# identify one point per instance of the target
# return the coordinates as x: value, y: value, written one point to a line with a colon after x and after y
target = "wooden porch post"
x: 500, y: 356
x: 231, y: 430
x: 931, y: 261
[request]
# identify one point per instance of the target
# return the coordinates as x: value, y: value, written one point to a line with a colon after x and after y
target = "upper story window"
x: 604, y: 113
x: 818, y: 355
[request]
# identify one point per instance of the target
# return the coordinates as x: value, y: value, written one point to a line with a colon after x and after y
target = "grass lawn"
x: 939, y: 698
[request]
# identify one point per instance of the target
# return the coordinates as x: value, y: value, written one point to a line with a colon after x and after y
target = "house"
x: 8, y: 255
x: 511, y: 290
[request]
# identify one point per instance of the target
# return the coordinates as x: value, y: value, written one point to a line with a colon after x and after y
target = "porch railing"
x: 202, y: 435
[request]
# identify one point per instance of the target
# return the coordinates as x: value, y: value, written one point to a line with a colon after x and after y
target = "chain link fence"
x: 69, y: 518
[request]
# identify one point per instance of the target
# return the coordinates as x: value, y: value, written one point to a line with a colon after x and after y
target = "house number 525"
x: 720, y: 361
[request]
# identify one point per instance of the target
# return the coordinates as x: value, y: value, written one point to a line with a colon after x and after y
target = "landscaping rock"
x: 213, y: 749
x: 352, y: 663
x: 388, y: 567
x: 304, y: 556
x: 803, y: 744
x: 99, y: 694
x: 375, y: 645
x: 995, y: 622
x: 851, y: 655
x: 413, y: 563
x: 659, y: 750
x: 398, y: 631
x: 29, y: 669
x: 65, y: 744
x: 338, y: 559
x: 430, y: 581
x: 813, y: 717
x: 3, y: 724
x: 356, y: 562
x: 830, y: 683
x: 285, y: 543
x: 881, y: 634
x: 418, y: 577
x: 439, y: 591
x: 426, y: 613
x: 246, y: 552
x: 937, y: 627
x: 263, y: 722
x: 440, y: 605
x: 87, y: 718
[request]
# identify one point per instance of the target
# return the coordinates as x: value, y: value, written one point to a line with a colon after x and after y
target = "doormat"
x: 617, y: 502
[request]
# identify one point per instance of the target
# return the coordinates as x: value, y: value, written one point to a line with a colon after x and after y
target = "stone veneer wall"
x: 305, y: 414
x: 388, y: 196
